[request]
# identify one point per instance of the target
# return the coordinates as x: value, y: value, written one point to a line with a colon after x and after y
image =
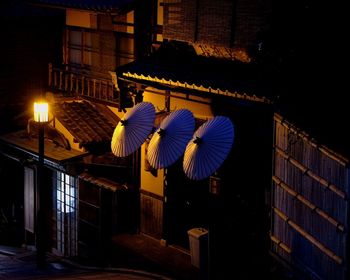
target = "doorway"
x: 186, y: 205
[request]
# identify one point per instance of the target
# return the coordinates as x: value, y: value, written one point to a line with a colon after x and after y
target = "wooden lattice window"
x: 66, y: 212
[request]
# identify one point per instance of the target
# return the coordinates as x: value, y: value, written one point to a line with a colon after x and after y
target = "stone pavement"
x: 147, y: 254
x: 17, y: 264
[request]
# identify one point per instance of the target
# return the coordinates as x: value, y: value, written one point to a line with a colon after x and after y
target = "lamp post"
x: 41, y: 111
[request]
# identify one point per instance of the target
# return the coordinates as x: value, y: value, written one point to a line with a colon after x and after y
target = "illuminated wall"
x: 149, y: 182
x: 199, y: 110
x: 81, y: 19
x: 116, y: 111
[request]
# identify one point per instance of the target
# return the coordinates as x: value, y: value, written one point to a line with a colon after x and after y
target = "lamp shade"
x: 208, y: 148
x: 133, y: 129
x: 41, y: 112
x: 169, y: 141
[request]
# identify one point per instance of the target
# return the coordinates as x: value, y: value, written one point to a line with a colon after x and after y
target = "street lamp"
x: 41, y: 116
x: 41, y: 112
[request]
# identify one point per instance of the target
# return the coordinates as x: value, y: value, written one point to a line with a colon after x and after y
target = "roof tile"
x: 176, y: 64
x: 87, y: 123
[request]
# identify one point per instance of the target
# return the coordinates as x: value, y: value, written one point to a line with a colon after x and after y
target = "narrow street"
x: 18, y: 264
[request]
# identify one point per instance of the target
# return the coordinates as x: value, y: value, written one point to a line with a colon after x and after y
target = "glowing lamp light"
x: 41, y: 112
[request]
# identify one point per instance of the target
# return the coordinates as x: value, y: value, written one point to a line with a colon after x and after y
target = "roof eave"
x: 113, y: 12
x: 200, y: 91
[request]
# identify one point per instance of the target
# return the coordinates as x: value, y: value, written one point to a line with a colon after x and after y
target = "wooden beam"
x: 308, y: 203
x: 311, y: 174
x: 308, y: 236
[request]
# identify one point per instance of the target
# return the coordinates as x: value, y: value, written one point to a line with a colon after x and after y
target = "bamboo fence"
x: 309, y: 203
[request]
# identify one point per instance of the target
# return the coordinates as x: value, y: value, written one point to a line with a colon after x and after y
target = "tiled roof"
x: 102, y: 182
x: 21, y: 140
x: 87, y: 123
x: 222, y: 52
x: 112, y: 6
x: 176, y: 65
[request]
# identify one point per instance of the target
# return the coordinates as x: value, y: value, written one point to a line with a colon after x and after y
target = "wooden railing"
x: 72, y: 84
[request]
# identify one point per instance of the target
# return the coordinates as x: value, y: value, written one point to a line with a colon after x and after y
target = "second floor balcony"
x: 68, y: 83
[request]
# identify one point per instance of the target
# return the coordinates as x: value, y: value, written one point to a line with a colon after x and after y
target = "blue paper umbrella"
x: 169, y: 141
x: 208, y: 148
x: 133, y: 129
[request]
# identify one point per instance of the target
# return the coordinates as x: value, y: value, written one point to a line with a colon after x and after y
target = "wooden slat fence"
x: 151, y: 214
x: 309, y: 204
x: 85, y: 86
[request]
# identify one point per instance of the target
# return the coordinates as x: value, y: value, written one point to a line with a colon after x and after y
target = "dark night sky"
x: 27, y: 46
x: 310, y: 39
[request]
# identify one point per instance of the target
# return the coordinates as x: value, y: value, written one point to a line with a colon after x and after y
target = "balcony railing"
x: 84, y: 86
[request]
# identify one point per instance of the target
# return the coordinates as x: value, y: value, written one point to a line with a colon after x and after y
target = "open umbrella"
x: 133, y: 129
x: 208, y: 148
x: 169, y: 141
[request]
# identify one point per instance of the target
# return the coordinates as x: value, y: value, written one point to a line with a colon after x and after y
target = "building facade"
x: 207, y: 57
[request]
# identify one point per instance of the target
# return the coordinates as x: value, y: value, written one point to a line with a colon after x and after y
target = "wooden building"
x: 191, y: 68
x: 81, y: 174
x: 94, y: 78
x: 203, y: 56
x: 171, y: 204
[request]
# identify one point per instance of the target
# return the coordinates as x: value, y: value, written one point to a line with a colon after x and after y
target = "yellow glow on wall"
x: 160, y: 13
x: 130, y: 19
x: 116, y: 111
x: 41, y: 112
x: 150, y: 183
x: 154, y: 184
x: 199, y: 110
x: 159, y: 37
x: 80, y: 18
